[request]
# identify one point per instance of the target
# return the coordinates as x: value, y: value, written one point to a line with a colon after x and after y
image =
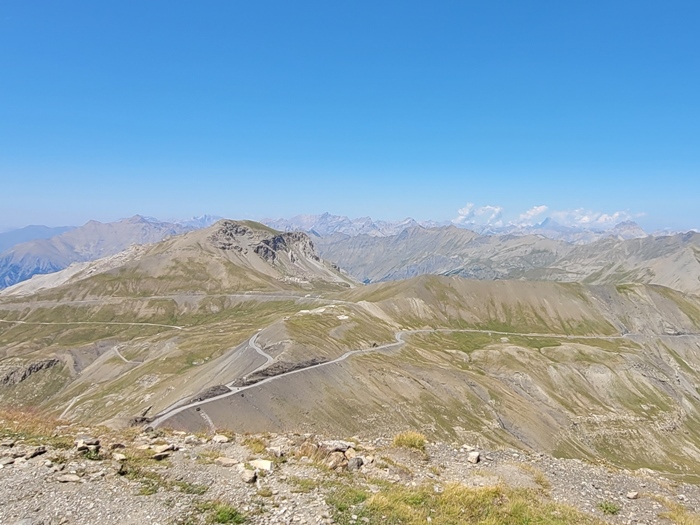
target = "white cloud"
x: 479, y: 215
x: 580, y: 218
x: 525, y: 219
x: 596, y: 220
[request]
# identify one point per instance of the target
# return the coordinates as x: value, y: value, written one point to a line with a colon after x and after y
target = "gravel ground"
x: 105, y: 485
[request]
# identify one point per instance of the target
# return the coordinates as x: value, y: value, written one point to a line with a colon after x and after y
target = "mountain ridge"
x: 326, y: 224
x: 33, y: 232
x: 91, y: 241
x: 229, y: 255
x: 672, y: 261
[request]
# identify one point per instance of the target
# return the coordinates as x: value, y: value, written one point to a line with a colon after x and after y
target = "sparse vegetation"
x: 343, y: 498
x: 207, y: 456
x: 265, y: 492
x: 150, y: 481
x: 33, y: 428
x: 255, y: 444
x: 387, y: 462
x: 139, y: 466
x: 609, y: 507
x: 302, y: 485
x: 398, y: 504
x: 93, y: 455
x: 219, y: 512
x: 189, y: 488
x: 537, y: 475
x: 677, y: 513
x: 227, y: 514
x: 410, y: 439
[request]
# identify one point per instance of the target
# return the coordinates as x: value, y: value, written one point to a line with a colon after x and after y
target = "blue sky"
x: 389, y: 109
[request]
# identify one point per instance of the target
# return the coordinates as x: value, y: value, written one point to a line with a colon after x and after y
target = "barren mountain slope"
x: 568, y: 369
x: 670, y: 261
x: 571, y: 369
x: 164, y: 309
x: 229, y: 256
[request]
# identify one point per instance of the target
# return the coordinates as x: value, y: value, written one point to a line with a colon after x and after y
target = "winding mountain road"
x: 101, y: 323
x: 178, y: 407
x: 163, y: 416
x: 127, y: 361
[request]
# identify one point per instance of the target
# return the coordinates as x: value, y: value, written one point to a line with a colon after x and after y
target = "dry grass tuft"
x: 537, y: 475
x: 256, y: 445
x: 459, y: 504
x: 34, y: 428
x: 410, y: 439
x: 677, y: 513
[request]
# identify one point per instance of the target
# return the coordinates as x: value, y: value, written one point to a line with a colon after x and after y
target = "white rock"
x: 249, y: 476
x: 68, y: 478
x: 276, y: 451
x: 220, y: 438
x: 336, y: 445
x: 262, y: 464
x: 225, y: 462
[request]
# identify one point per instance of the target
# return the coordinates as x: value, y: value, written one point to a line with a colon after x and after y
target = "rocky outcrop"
x: 213, y: 391
x: 265, y: 252
x: 265, y: 243
x: 226, y: 236
x: 276, y: 369
x: 23, y: 373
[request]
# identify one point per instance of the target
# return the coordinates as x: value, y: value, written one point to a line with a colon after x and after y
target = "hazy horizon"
x: 471, y: 217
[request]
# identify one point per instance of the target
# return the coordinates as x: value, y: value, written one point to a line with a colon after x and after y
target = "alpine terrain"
x: 242, y: 328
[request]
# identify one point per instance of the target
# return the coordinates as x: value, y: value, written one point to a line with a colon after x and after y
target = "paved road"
x: 252, y: 343
x: 399, y: 336
x: 101, y: 323
x: 125, y: 359
x: 7, y: 300
x: 164, y: 416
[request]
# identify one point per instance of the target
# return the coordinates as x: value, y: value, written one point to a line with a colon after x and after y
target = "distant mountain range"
x: 86, y: 243
x: 29, y: 233
x: 374, y: 251
x: 40, y: 249
x: 672, y: 261
x: 551, y: 229
x: 327, y: 224
x: 228, y: 256
x: 195, y: 223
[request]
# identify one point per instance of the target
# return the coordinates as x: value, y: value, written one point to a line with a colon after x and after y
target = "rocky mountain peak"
x: 265, y: 242
x: 628, y: 230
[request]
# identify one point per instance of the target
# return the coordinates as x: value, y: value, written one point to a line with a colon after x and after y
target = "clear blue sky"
x: 389, y: 109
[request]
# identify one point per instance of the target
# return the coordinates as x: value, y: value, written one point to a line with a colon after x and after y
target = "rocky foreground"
x: 88, y: 476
